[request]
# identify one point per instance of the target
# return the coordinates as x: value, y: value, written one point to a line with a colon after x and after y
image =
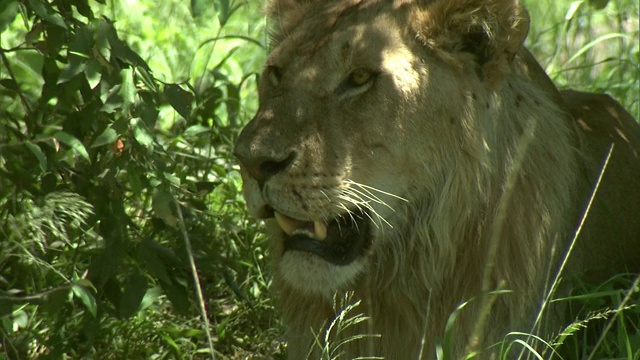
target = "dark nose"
x: 262, y: 168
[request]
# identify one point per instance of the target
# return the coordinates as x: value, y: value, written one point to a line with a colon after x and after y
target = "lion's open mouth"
x: 340, y: 241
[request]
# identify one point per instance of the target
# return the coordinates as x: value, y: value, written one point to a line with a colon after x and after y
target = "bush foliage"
x: 112, y: 183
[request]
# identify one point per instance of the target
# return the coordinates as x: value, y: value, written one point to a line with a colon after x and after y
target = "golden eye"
x: 360, y: 77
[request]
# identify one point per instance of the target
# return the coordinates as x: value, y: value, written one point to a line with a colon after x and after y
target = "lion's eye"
x: 359, y: 77
x: 274, y: 74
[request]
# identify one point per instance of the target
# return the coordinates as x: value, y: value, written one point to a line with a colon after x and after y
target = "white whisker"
x: 349, y: 194
x: 371, y: 188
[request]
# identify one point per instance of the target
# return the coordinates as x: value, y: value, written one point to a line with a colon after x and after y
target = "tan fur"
x: 464, y: 154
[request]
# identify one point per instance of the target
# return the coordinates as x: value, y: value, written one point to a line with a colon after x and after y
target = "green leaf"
x: 205, y: 187
x: 46, y: 12
x: 178, y: 296
x: 169, y: 341
x: 86, y: 283
x: 73, y: 68
x: 195, y: 130
x: 598, y: 4
x: 141, y: 134
x: 83, y: 8
x: 150, y: 297
x: 134, y: 180
x: 222, y: 7
x: 446, y: 345
x: 10, y: 84
x: 128, y: 89
x: 33, y: 36
x: 147, y: 109
x: 148, y: 253
x: 108, y: 137
x: 101, y: 29
x: 162, y: 204
x: 121, y: 50
x: 179, y: 99
x: 20, y: 319
x: 6, y: 307
x: 82, y: 43
x: 174, y: 180
x: 8, y: 12
x: 593, y: 43
x: 147, y: 79
x: 110, y: 99
x: 73, y: 143
x: 573, y: 9
x: 93, y: 73
x: 57, y: 38
x: 50, y: 75
x: 134, y: 292
x: 86, y: 297
x: 35, y: 149
x: 198, y: 7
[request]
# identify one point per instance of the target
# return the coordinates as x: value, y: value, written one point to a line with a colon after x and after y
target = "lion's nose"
x: 261, y: 149
x: 262, y: 168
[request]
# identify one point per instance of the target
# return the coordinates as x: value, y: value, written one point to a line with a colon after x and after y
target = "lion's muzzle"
x: 275, y: 184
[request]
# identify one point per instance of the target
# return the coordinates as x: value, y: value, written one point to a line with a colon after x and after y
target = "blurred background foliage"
x: 116, y: 127
x: 120, y: 203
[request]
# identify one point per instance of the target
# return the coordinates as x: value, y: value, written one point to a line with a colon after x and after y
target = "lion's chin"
x: 313, y: 275
x: 324, y: 263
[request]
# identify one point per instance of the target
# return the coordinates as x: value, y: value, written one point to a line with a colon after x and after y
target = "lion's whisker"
x: 369, y: 188
x: 363, y: 194
x: 364, y: 191
x: 349, y: 195
x: 360, y: 205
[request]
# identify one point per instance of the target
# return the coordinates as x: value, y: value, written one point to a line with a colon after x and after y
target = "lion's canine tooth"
x: 287, y: 224
x: 292, y: 226
x: 320, y: 230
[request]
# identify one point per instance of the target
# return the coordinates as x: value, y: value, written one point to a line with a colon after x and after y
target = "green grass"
x: 588, y: 49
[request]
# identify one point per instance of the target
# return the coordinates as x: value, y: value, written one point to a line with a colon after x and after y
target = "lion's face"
x: 351, y: 127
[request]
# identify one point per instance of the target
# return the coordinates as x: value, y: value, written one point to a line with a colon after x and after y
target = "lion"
x: 414, y: 155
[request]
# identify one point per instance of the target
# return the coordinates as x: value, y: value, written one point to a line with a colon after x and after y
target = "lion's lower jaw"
x: 312, y: 275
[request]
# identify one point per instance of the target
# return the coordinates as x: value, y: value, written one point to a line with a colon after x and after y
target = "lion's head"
x: 361, y: 117
x: 387, y: 136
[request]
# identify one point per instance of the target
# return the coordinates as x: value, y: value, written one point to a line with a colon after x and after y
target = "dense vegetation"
x: 123, y: 234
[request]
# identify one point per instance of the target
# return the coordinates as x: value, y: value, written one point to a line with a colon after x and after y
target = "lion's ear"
x: 281, y: 9
x: 488, y: 32
x: 284, y: 15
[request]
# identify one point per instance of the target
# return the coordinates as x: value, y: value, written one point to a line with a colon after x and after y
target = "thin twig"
x: 34, y: 297
x: 196, y: 279
x: 556, y: 280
